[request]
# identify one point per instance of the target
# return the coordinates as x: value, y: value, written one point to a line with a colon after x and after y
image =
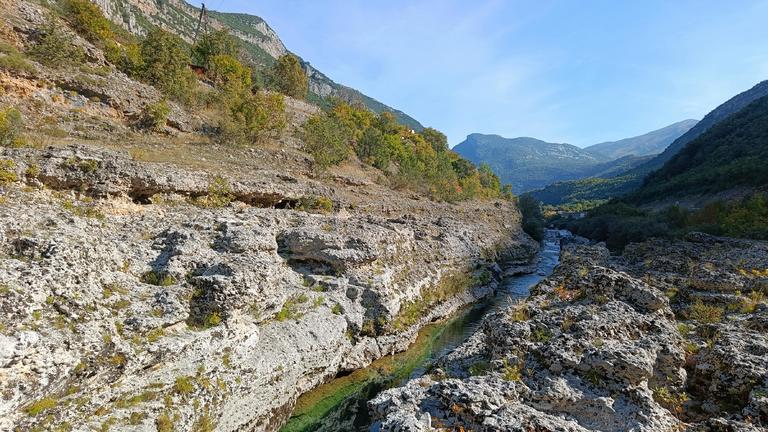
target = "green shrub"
x: 705, y: 313
x: 154, y: 277
x: 511, y: 372
x: 56, y: 48
x: 11, y: 125
x: 16, y: 63
x: 166, y: 64
x: 183, y: 386
x: 7, y: 171
x: 210, y: 45
x: 479, y: 368
x: 39, y: 407
x: 87, y: 20
x: 219, y: 194
x: 156, y: 115
x: 228, y: 73
x: 289, y: 77
x: 126, y: 57
x: 315, y: 204
x: 325, y: 140
x: 254, y: 118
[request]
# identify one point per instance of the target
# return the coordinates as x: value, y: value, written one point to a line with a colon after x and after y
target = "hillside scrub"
x: 11, y: 125
x: 417, y: 161
x: 289, y: 77
x: 618, y: 223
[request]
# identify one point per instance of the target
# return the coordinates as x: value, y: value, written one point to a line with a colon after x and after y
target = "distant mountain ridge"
x: 632, y: 179
x: 258, y: 39
x: 651, y: 143
x: 529, y: 163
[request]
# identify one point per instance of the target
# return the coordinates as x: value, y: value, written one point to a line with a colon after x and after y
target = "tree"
x: 166, y: 64
x: 214, y: 44
x: 88, y: 20
x: 488, y: 179
x: 255, y: 117
x: 289, y: 77
x: 56, y: 48
x: 228, y: 73
x: 373, y: 148
x: 324, y: 139
x: 436, y: 139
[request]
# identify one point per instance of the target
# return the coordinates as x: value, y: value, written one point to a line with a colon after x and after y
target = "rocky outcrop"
x: 148, y: 297
x: 610, y: 344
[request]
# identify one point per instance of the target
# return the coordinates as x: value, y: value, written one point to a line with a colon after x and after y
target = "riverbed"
x: 341, y: 404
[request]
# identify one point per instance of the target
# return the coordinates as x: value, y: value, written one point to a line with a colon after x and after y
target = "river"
x: 341, y: 404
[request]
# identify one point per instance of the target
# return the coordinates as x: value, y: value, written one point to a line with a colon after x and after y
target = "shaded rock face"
x: 125, y: 305
x: 605, y: 344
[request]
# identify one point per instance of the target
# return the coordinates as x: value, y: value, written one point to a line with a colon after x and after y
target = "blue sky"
x: 571, y: 71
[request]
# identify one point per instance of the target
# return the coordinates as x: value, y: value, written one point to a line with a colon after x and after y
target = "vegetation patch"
x: 705, y: 313
x: 411, y: 312
x: 7, y: 172
x: 154, y: 277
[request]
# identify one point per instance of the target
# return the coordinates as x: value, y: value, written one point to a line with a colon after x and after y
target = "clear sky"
x: 576, y: 71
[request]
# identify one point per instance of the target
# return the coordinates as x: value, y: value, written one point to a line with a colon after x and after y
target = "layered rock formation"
x: 145, y: 296
x: 669, y: 337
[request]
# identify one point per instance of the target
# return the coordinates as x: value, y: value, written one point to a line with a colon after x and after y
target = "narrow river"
x: 340, y: 404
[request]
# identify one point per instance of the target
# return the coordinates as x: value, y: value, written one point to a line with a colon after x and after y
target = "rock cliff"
x: 668, y: 337
x: 147, y: 296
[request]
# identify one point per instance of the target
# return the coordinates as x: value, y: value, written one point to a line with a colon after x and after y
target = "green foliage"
x: 213, y: 44
x: 732, y: 153
x: 11, y: 125
x: 254, y: 117
x: 618, y: 223
x: 289, y: 77
x: 411, y: 312
x: 154, y: 277
x: 325, y: 140
x: 39, y: 407
x: 511, y: 372
x: 156, y: 115
x: 56, y: 48
x: 228, y: 73
x: 183, y: 386
x: 290, y: 309
x: 315, y: 204
x: 7, y: 171
x: 416, y: 161
x: 705, y: 313
x: 533, y: 219
x: 15, y: 62
x: 219, y: 194
x: 436, y: 139
x: 166, y: 64
x: 87, y: 20
x: 127, y: 57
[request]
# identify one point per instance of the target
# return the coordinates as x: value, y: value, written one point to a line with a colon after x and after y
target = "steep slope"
x: 259, y: 40
x: 528, y: 163
x: 732, y: 154
x: 652, y: 143
x: 605, y: 188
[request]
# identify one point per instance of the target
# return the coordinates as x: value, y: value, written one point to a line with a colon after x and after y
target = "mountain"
x: 606, y: 188
x: 651, y: 143
x: 528, y: 163
x: 259, y: 40
x: 731, y: 154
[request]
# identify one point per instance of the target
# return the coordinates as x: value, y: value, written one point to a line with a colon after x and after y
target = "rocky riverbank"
x: 144, y: 296
x: 670, y: 336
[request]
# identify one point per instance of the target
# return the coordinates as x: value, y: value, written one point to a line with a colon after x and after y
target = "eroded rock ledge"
x: 127, y: 305
x: 669, y: 337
